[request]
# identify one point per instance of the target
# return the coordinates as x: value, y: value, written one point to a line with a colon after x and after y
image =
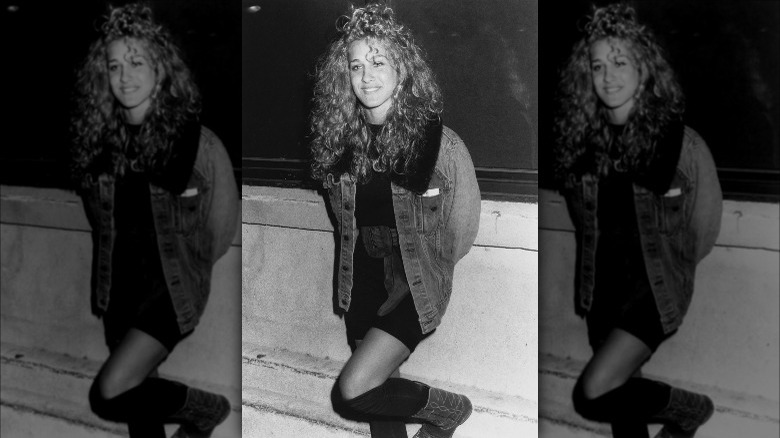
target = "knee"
x: 594, y: 383
x: 586, y: 401
x: 98, y: 401
x: 354, y: 383
x: 583, y: 404
x: 104, y: 393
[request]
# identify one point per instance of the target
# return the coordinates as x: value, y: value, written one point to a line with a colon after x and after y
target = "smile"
x: 612, y: 90
x: 370, y: 90
x: 128, y: 90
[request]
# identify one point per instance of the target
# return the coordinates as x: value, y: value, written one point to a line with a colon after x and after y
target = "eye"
x: 378, y: 63
x: 355, y: 67
x: 113, y: 67
x: 596, y: 68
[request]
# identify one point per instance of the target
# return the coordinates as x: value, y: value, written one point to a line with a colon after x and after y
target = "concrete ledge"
x: 43, y: 391
x: 502, y: 224
x: 298, y: 386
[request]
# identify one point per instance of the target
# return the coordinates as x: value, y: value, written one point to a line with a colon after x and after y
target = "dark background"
x: 45, y: 42
x: 726, y: 55
x: 483, y: 53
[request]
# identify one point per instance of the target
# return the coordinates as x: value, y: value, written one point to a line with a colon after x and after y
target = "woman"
x: 644, y: 196
x: 397, y: 179
x: 162, y: 201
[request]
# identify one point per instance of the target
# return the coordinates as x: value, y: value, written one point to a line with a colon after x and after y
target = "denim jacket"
x: 437, y: 216
x: 194, y: 228
x: 678, y: 224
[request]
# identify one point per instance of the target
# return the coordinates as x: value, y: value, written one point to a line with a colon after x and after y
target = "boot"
x: 443, y: 412
x: 684, y: 414
x: 201, y: 414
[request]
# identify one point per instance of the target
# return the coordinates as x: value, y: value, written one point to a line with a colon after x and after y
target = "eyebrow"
x: 379, y: 55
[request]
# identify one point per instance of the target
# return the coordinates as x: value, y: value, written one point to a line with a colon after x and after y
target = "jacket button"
x: 346, y: 238
x: 345, y: 268
x: 347, y: 206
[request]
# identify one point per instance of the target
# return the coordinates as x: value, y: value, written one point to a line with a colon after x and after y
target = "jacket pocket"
x: 188, y: 210
x: 671, y: 208
x: 431, y: 206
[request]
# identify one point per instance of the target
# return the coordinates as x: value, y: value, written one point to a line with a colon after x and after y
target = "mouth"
x: 370, y: 90
x: 128, y: 90
x: 612, y: 90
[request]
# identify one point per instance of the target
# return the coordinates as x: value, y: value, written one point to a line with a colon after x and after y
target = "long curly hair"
x: 100, y: 138
x: 341, y: 135
x: 582, y: 135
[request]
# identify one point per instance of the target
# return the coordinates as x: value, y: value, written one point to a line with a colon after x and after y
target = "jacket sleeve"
x: 708, y: 198
x: 462, y: 221
x: 223, y: 217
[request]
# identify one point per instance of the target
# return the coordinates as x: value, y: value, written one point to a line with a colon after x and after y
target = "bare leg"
x: 129, y: 364
x: 610, y: 391
x: 621, y: 355
x: 377, y: 357
x: 117, y: 390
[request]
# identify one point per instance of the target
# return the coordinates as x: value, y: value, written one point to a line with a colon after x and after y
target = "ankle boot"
x: 684, y: 414
x: 443, y: 412
x: 201, y: 414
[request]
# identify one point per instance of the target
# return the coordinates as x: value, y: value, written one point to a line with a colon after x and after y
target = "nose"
x: 124, y: 75
x: 368, y: 75
x: 609, y: 73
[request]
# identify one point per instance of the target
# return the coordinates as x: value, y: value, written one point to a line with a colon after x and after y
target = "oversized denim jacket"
x: 437, y: 217
x: 677, y: 229
x: 194, y: 228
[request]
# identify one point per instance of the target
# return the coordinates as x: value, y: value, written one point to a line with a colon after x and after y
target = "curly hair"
x: 582, y: 134
x: 100, y: 137
x: 341, y: 137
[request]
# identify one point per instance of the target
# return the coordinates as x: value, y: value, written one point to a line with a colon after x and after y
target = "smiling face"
x: 132, y: 77
x: 616, y: 77
x: 373, y: 78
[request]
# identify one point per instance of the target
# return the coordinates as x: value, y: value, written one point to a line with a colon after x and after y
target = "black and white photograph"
x: 390, y: 219
x: 120, y: 218
x: 658, y: 209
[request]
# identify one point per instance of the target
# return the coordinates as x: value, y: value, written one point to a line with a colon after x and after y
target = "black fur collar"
x: 419, y: 175
x: 421, y: 172
x: 177, y: 171
x: 658, y: 175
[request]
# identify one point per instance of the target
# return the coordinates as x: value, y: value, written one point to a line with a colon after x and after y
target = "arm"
x: 708, y: 201
x: 462, y: 220
x: 223, y: 217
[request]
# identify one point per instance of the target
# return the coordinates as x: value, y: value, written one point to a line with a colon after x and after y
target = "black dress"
x: 139, y: 296
x: 622, y: 296
x: 374, y: 209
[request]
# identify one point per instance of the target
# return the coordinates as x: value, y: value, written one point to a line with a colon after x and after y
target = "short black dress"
x: 139, y: 296
x: 374, y: 208
x: 622, y: 296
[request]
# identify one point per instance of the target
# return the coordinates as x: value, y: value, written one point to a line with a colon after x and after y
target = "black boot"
x: 201, y: 414
x: 443, y: 412
x: 684, y: 414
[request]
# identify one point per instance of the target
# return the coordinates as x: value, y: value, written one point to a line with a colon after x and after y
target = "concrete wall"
x: 46, y: 263
x: 488, y: 337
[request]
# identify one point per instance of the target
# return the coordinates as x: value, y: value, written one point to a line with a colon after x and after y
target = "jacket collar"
x: 421, y: 171
x: 660, y: 172
x: 176, y: 173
